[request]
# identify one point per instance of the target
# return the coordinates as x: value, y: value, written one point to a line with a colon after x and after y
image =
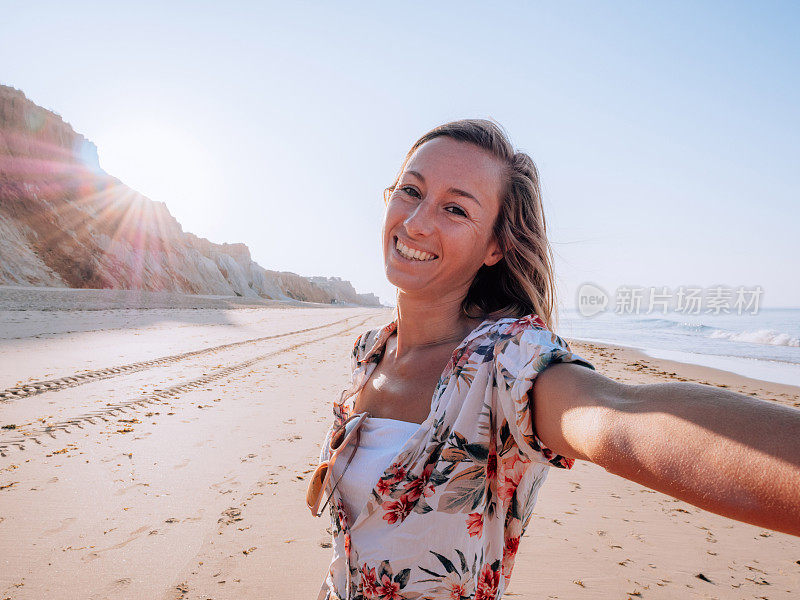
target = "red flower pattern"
x: 389, y: 590
x: 475, y: 524
x: 511, y: 547
x: 509, y: 554
x: 384, y: 486
x: 398, y: 473
x: 488, y: 580
x: 491, y: 464
x: 419, y: 486
x: 369, y: 582
x: 513, y: 470
x: 341, y: 514
x: 397, y: 510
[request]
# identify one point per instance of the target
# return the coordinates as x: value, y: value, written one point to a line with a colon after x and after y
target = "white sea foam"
x: 771, y: 337
x: 758, y: 336
x: 765, y: 370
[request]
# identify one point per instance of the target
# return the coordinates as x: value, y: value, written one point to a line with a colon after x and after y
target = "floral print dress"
x: 446, y: 517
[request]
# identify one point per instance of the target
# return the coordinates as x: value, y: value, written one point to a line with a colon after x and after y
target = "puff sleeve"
x: 520, y: 355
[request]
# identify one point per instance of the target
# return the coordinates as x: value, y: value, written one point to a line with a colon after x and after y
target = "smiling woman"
x: 435, y: 236
x: 524, y: 282
x: 463, y: 406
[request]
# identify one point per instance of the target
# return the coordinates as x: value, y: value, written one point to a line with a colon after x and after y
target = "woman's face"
x: 438, y: 227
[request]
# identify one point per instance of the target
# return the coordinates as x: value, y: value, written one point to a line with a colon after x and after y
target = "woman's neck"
x: 425, y: 323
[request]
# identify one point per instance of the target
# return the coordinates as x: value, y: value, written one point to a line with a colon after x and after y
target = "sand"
x: 183, y: 475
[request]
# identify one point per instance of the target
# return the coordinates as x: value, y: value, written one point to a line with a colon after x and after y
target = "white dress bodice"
x: 381, y: 441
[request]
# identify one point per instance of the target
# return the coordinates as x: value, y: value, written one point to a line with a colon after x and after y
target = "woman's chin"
x: 406, y: 282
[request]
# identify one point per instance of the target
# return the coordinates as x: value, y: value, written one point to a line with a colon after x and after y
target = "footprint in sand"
x: 117, y: 586
x: 223, y: 484
x: 136, y: 534
x: 199, y: 517
x: 64, y: 524
x: 125, y: 490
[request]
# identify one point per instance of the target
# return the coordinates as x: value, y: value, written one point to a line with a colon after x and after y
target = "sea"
x: 764, y: 345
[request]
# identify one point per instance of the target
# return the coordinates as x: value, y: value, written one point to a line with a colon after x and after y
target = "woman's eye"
x: 411, y: 191
x: 457, y: 210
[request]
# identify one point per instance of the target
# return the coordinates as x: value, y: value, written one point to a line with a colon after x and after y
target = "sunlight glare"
x: 167, y: 165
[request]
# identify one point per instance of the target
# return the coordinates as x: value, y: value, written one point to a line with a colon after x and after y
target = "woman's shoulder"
x: 514, y: 342
x: 512, y: 325
x: 531, y: 327
x: 502, y: 331
x: 520, y: 344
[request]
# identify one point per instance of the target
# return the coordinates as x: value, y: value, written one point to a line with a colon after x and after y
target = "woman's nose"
x: 420, y: 221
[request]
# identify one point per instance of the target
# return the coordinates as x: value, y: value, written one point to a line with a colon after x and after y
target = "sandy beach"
x: 160, y: 450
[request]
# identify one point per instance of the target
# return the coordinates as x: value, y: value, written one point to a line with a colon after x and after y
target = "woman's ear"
x: 493, y: 253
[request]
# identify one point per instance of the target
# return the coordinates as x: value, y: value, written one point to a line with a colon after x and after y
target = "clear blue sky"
x: 668, y: 137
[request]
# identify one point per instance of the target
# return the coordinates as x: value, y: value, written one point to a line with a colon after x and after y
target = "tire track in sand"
x: 65, y: 426
x: 53, y: 385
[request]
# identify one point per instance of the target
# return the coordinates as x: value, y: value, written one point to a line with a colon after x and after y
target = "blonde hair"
x: 522, y: 282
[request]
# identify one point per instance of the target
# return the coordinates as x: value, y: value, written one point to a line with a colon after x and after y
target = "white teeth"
x: 413, y: 254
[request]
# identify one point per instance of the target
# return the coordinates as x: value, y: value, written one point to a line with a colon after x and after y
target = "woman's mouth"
x: 412, y: 254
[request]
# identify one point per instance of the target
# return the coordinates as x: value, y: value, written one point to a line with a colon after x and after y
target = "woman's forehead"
x: 451, y: 163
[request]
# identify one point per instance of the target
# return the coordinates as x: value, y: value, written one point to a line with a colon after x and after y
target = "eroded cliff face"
x: 65, y: 222
x: 343, y: 292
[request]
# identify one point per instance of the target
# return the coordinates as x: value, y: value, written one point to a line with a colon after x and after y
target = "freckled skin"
x: 426, y: 216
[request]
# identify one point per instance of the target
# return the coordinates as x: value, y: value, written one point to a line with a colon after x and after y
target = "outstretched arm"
x: 725, y: 452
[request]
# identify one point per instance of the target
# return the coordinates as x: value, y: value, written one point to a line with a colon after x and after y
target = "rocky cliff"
x: 343, y: 292
x: 65, y: 222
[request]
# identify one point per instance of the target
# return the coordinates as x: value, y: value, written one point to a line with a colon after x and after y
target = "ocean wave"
x: 768, y: 337
x: 657, y: 322
x: 696, y: 327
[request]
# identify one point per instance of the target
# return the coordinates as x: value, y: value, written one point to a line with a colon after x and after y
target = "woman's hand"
x: 724, y: 452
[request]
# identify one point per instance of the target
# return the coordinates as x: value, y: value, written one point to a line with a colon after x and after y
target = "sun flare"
x: 166, y: 164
